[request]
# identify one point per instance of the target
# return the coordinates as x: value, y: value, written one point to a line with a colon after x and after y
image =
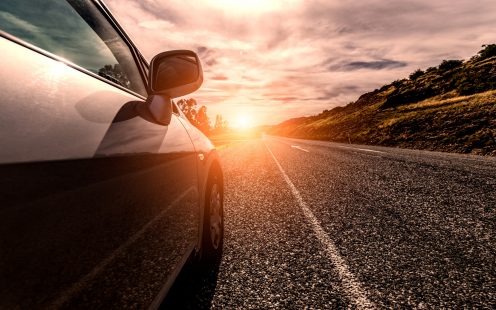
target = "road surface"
x: 321, y: 225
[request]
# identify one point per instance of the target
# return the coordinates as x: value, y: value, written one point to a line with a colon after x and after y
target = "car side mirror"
x: 172, y: 74
x: 175, y: 73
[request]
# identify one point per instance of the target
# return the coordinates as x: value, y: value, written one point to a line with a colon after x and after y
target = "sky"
x: 266, y: 61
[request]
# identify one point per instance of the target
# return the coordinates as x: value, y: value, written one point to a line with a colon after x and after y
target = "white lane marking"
x: 68, y: 294
x: 352, y: 287
x: 299, y: 148
x: 355, y: 148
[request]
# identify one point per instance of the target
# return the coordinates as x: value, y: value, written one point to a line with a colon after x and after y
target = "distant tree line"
x: 220, y: 126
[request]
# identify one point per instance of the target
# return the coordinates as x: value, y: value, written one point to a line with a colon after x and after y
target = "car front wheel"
x: 213, y: 225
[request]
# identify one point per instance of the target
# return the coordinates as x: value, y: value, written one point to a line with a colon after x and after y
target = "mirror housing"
x: 175, y: 73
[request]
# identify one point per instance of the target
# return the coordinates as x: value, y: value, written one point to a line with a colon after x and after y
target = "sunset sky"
x: 267, y: 60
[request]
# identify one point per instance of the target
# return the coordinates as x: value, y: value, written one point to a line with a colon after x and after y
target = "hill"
x: 451, y: 107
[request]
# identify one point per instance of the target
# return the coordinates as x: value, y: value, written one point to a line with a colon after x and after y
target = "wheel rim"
x: 215, y: 217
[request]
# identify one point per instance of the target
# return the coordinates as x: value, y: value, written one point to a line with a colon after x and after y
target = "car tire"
x: 213, y: 223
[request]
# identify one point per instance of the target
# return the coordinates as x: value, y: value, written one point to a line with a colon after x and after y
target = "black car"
x: 106, y: 189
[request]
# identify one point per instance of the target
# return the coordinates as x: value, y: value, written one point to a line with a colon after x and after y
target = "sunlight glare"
x: 243, y: 122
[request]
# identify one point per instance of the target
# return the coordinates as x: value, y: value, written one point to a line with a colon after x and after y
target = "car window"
x: 76, y: 31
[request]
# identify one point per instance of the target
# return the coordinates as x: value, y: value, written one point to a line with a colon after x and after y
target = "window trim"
x: 175, y: 108
x: 137, y: 56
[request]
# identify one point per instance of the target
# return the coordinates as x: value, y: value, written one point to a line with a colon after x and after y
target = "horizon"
x: 270, y: 61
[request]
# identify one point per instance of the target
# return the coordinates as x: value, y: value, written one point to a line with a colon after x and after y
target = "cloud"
x: 220, y: 77
x: 208, y: 56
x: 285, y: 58
x: 372, y: 65
x: 159, y: 24
x: 284, y: 99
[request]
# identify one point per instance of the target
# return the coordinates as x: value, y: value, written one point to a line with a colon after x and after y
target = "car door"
x: 99, y: 203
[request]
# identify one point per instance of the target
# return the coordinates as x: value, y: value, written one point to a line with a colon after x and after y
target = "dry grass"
x: 465, y: 124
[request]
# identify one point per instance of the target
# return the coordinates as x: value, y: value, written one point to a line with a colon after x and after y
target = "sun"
x: 243, y: 122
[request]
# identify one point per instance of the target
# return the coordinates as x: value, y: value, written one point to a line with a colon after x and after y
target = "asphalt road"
x: 323, y: 225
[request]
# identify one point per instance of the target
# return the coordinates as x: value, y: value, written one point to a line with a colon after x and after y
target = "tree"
x: 450, y: 64
x: 203, y: 123
x: 218, y: 122
x: 488, y: 51
x: 195, y: 114
x: 189, y: 106
x: 416, y: 74
x: 220, y: 125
